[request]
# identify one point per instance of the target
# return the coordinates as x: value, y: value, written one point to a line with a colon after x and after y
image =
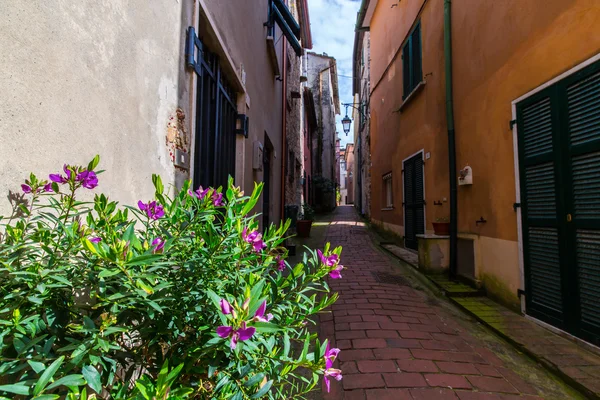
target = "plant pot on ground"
x: 441, y: 227
x: 304, y: 223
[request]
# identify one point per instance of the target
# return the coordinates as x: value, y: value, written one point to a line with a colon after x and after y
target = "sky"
x: 332, y: 27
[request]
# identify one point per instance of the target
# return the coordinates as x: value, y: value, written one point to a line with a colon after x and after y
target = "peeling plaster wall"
x: 294, y: 132
x: 87, y: 77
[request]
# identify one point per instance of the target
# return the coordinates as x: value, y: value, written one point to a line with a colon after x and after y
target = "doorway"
x: 414, y: 200
x: 558, y: 130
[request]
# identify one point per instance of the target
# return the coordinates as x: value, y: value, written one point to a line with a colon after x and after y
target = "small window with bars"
x: 388, y: 196
x: 411, y: 62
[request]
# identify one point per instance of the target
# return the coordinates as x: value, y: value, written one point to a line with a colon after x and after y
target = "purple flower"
x: 225, y: 307
x: 217, y: 199
x: 280, y: 263
x: 48, y: 187
x: 58, y: 178
x: 26, y: 188
x: 336, y: 273
x: 88, y: 179
x: 153, y: 210
x: 330, y: 356
x: 331, y: 373
x: 95, y: 239
x: 199, y: 193
x: 159, y: 245
x: 255, y: 239
x: 260, y: 313
x: 241, y: 334
x: 330, y: 261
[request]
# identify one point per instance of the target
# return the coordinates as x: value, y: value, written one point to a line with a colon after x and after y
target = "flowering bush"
x: 179, y: 297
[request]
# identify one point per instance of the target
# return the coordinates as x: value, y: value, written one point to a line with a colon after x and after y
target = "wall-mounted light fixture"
x: 241, y: 125
x: 346, y: 121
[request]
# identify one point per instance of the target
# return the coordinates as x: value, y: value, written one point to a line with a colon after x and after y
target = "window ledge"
x: 411, y: 95
x: 273, y: 55
x: 387, y: 209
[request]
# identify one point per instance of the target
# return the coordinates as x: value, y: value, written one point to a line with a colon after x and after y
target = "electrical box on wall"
x: 257, y: 156
x: 181, y: 159
x: 465, y: 176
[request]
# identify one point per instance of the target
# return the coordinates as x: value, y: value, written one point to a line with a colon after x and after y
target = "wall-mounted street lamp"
x: 346, y: 121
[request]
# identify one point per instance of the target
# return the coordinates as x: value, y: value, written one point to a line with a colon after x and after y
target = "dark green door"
x: 414, y: 200
x: 559, y: 162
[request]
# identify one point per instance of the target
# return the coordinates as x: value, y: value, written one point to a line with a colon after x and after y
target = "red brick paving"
x: 397, y: 343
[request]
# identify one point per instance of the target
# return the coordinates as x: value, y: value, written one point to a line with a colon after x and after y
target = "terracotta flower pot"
x: 303, y: 227
x: 441, y: 228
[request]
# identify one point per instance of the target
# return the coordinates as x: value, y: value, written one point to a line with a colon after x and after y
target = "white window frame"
x: 388, y: 191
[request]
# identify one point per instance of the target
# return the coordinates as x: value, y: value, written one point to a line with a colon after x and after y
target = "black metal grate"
x: 391, y: 279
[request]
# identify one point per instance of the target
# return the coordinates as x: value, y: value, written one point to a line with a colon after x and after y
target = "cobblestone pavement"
x: 400, y: 341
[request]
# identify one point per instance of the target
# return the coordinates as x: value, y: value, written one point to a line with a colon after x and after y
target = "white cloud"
x: 332, y: 27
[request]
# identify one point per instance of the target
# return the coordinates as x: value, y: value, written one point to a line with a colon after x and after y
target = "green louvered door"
x: 542, y: 208
x: 581, y: 123
x: 559, y: 162
x: 414, y: 201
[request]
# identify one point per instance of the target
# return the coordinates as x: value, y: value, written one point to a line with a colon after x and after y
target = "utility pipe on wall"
x: 451, y: 138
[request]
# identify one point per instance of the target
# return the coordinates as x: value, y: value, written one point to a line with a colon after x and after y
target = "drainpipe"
x: 283, y: 123
x: 451, y: 138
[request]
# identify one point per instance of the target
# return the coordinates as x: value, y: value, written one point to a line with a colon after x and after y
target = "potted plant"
x: 441, y: 226
x: 304, y: 223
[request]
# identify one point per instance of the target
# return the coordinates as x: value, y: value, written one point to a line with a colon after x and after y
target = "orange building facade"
x: 517, y: 66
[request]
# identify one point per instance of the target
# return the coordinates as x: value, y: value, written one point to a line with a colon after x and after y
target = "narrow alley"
x: 399, y: 340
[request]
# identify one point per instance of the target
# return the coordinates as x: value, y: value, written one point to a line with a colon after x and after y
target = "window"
x: 411, y: 61
x: 388, y: 198
x: 215, y: 137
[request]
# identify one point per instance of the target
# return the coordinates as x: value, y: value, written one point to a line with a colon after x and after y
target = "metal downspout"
x: 284, y: 129
x: 451, y: 139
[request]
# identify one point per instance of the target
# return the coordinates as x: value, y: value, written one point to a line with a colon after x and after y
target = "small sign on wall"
x: 465, y: 176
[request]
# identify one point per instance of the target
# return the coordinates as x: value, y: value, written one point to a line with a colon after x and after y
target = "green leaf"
x: 286, y: 344
x: 254, y: 380
x: 89, y: 246
x: 47, y: 397
x: 139, y: 283
x: 157, y: 183
x: 263, y: 390
x: 69, y: 380
x: 17, y: 388
x: 266, y: 327
x: 145, y: 259
x: 92, y: 377
x: 47, y: 375
x: 36, y: 366
x: 305, y: 349
x: 35, y: 300
x: 94, y: 163
x: 105, y: 273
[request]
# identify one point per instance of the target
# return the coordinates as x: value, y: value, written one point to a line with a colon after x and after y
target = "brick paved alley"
x: 401, y: 341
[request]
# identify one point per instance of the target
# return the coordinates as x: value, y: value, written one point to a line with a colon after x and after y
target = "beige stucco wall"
x: 86, y: 77
x: 239, y: 24
x: 501, y: 50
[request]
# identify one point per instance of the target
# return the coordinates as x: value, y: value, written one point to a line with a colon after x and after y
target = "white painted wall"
x: 86, y: 77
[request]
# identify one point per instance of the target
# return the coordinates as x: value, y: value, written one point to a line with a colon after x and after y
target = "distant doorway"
x: 414, y: 200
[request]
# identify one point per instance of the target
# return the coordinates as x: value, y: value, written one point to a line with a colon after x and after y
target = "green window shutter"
x: 583, y: 116
x: 411, y: 61
x: 406, y: 64
x: 537, y: 128
x: 416, y: 56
